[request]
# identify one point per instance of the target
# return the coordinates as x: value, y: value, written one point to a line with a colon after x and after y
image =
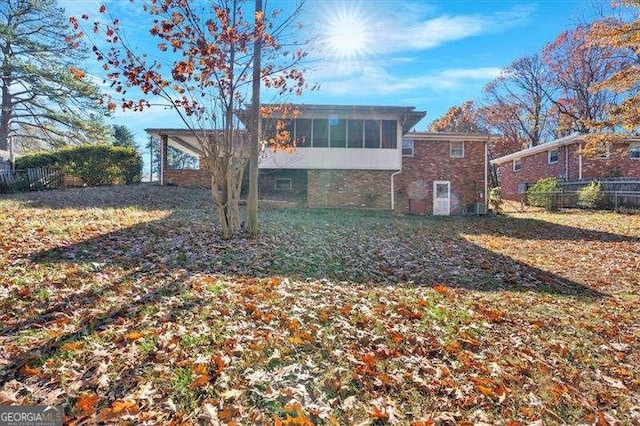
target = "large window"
x: 320, y: 133
x: 355, y: 133
x: 389, y: 134
x: 338, y: 133
x: 634, y: 150
x: 335, y: 132
x: 372, y: 134
x: 303, y: 132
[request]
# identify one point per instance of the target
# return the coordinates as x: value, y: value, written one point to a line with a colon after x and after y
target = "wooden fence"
x: 617, y: 193
x: 34, y: 179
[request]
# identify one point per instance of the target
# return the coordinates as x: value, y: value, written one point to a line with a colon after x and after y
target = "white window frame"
x: 279, y: 179
x: 451, y: 149
x: 410, y: 146
x: 549, y: 161
x: 634, y: 150
x: 519, y: 162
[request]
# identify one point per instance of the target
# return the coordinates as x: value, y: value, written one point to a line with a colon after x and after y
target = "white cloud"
x: 372, y: 81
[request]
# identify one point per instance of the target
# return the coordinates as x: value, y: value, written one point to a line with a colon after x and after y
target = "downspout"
x: 399, y: 134
x: 566, y: 162
x: 393, y: 189
x: 486, y: 174
x: 580, y: 163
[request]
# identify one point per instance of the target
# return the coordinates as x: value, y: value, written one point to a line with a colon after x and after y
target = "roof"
x: 449, y: 136
x: 567, y: 140
x: 187, y: 139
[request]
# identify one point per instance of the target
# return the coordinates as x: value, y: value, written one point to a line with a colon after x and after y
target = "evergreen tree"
x: 42, y: 84
x: 122, y: 136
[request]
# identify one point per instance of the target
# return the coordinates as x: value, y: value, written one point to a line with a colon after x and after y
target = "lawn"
x: 122, y: 305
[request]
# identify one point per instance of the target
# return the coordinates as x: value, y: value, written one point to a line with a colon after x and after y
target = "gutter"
x: 580, y: 163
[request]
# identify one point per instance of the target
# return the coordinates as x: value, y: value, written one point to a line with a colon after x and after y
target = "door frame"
x: 435, y: 193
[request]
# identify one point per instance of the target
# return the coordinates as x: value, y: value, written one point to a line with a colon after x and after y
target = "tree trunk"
x: 252, y: 198
x: 5, y: 111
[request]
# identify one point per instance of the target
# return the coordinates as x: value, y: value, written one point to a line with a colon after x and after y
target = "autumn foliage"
x: 123, y: 305
x: 210, y: 50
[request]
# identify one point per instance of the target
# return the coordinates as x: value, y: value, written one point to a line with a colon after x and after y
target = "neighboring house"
x: 563, y: 159
x: 361, y: 156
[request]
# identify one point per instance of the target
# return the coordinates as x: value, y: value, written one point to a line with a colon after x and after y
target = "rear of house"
x: 360, y: 156
x: 565, y: 159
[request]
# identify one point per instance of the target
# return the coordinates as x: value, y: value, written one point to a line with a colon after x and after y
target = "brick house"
x: 563, y: 159
x: 361, y: 156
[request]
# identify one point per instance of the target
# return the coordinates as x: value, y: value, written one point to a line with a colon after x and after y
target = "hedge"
x: 94, y: 164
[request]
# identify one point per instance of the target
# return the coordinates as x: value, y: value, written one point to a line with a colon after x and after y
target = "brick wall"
x: 431, y: 161
x: 188, y: 178
x: 349, y: 188
x: 535, y: 167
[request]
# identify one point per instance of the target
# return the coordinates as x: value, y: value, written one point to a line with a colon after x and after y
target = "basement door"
x: 441, y: 198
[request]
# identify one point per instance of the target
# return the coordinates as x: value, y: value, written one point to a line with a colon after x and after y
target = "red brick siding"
x: 618, y: 164
x: 188, y: 178
x: 349, y: 188
x: 431, y: 161
x: 535, y: 167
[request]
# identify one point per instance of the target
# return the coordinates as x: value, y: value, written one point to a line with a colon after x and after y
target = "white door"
x: 442, y: 197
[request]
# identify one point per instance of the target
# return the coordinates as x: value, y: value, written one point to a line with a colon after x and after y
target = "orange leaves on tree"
x: 87, y: 403
x: 77, y: 72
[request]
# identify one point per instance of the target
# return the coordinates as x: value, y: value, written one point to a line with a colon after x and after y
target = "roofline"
x: 567, y: 140
x: 449, y: 136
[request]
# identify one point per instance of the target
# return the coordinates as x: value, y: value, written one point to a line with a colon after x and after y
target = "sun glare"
x: 346, y: 33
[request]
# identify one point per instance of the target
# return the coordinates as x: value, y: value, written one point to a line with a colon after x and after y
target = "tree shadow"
x: 344, y: 247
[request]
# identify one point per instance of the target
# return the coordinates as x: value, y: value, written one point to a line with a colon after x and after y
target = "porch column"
x: 164, y: 141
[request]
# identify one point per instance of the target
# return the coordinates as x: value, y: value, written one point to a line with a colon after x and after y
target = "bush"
x: 591, y: 196
x: 94, y: 164
x: 539, y: 194
x: 495, y: 199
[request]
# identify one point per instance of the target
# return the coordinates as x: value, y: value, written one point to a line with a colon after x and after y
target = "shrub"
x: 495, y: 199
x: 591, y: 196
x: 94, y: 164
x: 539, y: 194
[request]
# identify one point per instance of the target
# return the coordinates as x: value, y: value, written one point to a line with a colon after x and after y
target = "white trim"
x: 519, y: 160
x: 451, y: 143
x: 413, y: 147
x: 538, y: 148
x: 448, y: 198
x: 557, y: 151
x: 282, y: 179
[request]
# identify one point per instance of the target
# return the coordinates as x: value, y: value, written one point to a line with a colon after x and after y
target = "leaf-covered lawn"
x: 122, y: 304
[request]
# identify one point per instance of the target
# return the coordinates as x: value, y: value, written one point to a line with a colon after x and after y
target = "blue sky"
x: 427, y: 54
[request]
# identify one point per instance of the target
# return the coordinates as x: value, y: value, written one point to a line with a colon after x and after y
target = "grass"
x: 122, y: 304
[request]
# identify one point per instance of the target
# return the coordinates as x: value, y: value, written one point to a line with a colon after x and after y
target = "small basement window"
x: 282, y: 184
x: 634, y: 150
x: 517, y: 165
x: 456, y: 149
x: 407, y: 148
x: 553, y: 156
